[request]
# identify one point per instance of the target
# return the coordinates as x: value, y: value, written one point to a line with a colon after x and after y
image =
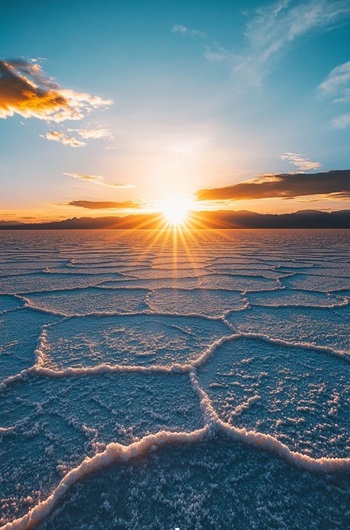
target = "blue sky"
x: 165, y: 98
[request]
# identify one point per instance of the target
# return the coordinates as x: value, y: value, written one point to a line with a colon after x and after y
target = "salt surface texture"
x: 161, y: 382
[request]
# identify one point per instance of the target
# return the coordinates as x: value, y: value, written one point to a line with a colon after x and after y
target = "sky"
x: 116, y: 106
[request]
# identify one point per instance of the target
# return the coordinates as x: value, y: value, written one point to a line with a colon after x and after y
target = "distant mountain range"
x: 219, y: 220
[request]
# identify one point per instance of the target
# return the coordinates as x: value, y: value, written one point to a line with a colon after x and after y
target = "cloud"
x: 280, y: 23
x: 71, y: 141
x: 217, y: 54
x: 184, y: 30
x: 342, y: 121
x: 337, y: 87
x: 63, y: 139
x: 97, y: 179
x: 95, y: 134
x: 26, y: 90
x: 276, y: 26
x: 336, y: 79
x: 335, y: 184
x: 99, y: 205
x: 82, y: 176
x: 300, y: 161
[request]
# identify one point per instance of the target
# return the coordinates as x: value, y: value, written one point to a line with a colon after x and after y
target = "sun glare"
x: 176, y: 211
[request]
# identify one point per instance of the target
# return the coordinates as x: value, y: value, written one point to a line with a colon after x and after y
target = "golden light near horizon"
x: 176, y: 211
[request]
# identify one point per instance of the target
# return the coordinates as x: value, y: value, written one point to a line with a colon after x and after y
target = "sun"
x: 175, y: 211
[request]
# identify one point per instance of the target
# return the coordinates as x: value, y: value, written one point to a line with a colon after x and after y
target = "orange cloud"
x: 63, y: 139
x: 26, y: 90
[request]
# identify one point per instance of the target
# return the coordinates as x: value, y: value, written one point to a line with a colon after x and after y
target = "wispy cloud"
x: 274, y: 27
x: 337, y: 87
x: 55, y: 136
x: 184, y: 30
x: 99, y: 205
x: 338, y: 80
x: 71, y: 141
x: 333, y: 184
x: 97, y: 179
x: 217, y: 54
x: 95, y: 134
x: 300, y: 161
x: 26, y: 90
x: 342, y: 121
x: 82, y: 176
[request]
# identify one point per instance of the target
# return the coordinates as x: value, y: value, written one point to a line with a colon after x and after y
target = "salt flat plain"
x: 194, y: 379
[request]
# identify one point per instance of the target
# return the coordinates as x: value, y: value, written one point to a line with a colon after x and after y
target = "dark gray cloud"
x: 334, y: 183
x: 99, y: 205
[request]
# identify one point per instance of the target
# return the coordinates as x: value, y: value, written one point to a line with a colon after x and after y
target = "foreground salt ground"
x: 211, y: 485
x: 206, y: 374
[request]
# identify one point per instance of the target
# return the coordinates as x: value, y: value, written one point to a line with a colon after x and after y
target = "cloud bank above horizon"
x: 335, y: 184
x: 102, y: 205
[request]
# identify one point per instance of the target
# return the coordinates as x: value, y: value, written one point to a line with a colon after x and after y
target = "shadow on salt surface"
x: 171, y: 272
x: 50, y: 282
x: 64, y: 420
x: 239, y: 261
x: 197, y: 301
x: 315, y: 326
x: 105, y: 266
x: 297, y: 395
x: 257, y: 272
x: 323, y: 284
x: 174, y: 283
x: 9, y: 303
x: 345, y: 293
x: 286, y: 264
x: 27, y: 267
x: 182, y: 261
x: 237, y: 283
x: 145, y: 340
x: 19, y: 332
x: 115, y: 271
x: 337, y: 270
x: 212, y: 485
x: 92, y: 300
x: 294, y: 298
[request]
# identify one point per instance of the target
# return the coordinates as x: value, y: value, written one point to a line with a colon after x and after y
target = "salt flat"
x: 174, y: 380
